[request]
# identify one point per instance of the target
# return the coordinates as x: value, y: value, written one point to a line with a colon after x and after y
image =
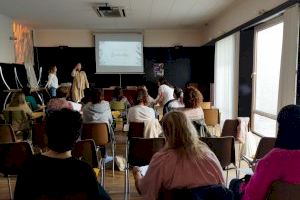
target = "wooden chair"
x: 212, y: 120
x: 265, y: 145
x: 205, y: 105
x: 39, y: 136
x: 101, y: 134
x: 12, y: 157
x: 280, y: 190
x: 140, y: 152
x: 136, y: 129
x: 121, y: 108
x: 223, y: 147
x: 85, y: 150
x: 230, y: 128
x: 7, y: 134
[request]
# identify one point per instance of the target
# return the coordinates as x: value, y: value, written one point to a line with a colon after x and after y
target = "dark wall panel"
x: 245, y: 71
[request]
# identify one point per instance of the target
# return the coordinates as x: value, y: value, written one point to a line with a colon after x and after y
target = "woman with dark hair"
x: 118, y: 96
x: 165, y: 92
x: 283, y: 162
x: 56, y: 174
x: 98, y: 110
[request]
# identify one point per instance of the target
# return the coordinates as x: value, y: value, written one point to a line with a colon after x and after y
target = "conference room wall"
x: 7, y: 53
x: 186, y: 64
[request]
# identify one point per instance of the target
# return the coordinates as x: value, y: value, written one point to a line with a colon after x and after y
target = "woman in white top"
x: 165, y: 92
x: 141, y: 112
x: 52, y: 83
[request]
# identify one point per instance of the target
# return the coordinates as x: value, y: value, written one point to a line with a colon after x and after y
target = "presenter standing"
x: 52, y: 83
x: 80, y: 82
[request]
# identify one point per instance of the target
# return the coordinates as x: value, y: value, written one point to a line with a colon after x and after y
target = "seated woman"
x: 60, y: 101
x: 56, y: 174
x: 18, y: 103
x: 192, y: 98
x: 185, y: 161
x: 31, y: 100
x: 97, y: 110
x: 118, y: 96
x: 142, y: 113
x: 175, y: 103
x: 283, y: 162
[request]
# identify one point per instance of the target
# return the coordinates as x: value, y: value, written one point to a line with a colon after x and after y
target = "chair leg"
x: 113, y: 155
x: 226, y: 168
x: 9, y: 187
x: 126, y: 183
x: 102, y: 167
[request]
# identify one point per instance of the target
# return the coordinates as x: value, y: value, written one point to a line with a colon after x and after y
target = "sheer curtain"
x: 24, y: 50
x: 226, y: 77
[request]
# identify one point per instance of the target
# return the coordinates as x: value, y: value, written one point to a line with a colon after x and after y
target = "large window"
x: 268, y: 48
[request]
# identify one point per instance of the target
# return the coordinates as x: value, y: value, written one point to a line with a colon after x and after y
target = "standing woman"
x: 165, y: 92
x: 80, y: 82
x: 52, y: 83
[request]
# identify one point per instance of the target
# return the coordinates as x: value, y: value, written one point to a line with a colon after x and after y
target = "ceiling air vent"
x: 105, y: 10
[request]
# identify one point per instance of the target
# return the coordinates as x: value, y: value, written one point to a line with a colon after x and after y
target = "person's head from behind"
x: 192, y: 97
x: 118, y: 93
x: 27, y: 91
x: 53, y: 69
x: 288, y: 136
x: 17, y: 99
x: 162, y: 81
x: 63, y: 92
x: 181, y: 135
x: 141, y: 96
x: 63, y: 129
x: 97, y: 95
x: 178, y: 93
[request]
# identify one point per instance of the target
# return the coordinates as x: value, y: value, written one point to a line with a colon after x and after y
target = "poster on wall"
x: 158, y: 69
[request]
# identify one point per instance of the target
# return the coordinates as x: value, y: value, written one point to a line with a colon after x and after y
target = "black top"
x: 43, y: 177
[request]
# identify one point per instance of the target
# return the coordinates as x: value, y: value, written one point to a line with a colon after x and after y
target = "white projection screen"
x: 119, y: 53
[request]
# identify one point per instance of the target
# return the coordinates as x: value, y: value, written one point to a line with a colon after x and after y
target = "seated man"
x: 56, y: 174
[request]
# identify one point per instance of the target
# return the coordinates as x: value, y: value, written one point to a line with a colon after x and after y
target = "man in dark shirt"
x: 56, y: 174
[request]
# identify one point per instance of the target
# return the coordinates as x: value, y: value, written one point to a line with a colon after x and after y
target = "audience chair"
x: 265, y: 145
x: 280, y: 190
x: 12, y: 157
x: 223, y: 147
x: 205, y: 105
x: 85, y: 150
x: 102, y: 135
x: 39, y: 136
x: 7, y: 134
x: 120, y: 107
x: 212, y: 119
x: 136, y: 129
x: 140, y: 152
x: 230, y: 128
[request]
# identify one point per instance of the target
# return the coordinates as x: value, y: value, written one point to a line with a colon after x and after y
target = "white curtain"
x: 226, y: 77
x: 289, y: 58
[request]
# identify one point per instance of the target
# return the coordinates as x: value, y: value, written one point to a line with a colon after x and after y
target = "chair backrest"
x: 16, y: 115
x: 265, y: 145
x: 99, y: 132
x: 218, y: 192
x: 7, y: 134
x: 211, y: 116
x: 205, y: 105
x: 117, y: 105
x: 85, y: 150
x: 280, y: 190
x: 230, y: 128
x: 223, y: 147
x: 12, y: 157
x: 136, y: 129
x: 141, y: 150
x: 39, y: 136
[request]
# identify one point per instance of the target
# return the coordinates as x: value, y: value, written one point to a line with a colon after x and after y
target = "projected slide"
x: 120, y: 53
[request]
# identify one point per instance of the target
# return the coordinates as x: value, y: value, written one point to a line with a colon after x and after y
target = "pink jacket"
x: 279, y: 164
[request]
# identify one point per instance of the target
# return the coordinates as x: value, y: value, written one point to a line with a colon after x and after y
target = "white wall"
x: 235, y: 15
x: 7, y: 53
x: 84, y: 38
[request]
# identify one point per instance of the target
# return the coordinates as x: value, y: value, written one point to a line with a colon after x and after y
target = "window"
x: 268, y: 48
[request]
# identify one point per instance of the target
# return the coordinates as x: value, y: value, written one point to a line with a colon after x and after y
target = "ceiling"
x: 141, y: 14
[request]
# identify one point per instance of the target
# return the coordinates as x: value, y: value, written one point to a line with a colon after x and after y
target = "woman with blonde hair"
x: 184, y: 162
x: 52, y: 83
